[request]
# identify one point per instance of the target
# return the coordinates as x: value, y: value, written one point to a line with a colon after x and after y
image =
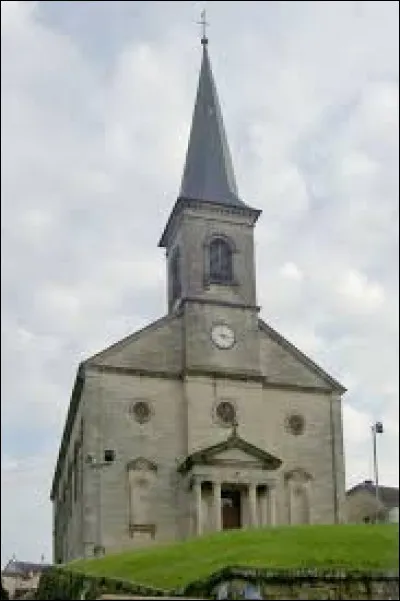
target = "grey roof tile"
x: 23, y: 567
x: 208, y: 173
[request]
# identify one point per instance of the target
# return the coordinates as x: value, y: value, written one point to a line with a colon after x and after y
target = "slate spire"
x: 208, y: 173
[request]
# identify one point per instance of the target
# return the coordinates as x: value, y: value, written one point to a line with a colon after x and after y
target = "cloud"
x: 96, y: 105
x: 360, y: 295
x: 291, y: 271
x: 25, y: 526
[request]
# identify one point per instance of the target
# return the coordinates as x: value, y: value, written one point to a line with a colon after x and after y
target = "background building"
x: 20, y: 578
x: 362, y: 504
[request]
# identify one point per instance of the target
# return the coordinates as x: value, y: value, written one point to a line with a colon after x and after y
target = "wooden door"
x: 231, y: 514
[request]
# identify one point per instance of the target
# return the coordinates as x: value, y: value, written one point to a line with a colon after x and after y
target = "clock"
x: 223, y: 336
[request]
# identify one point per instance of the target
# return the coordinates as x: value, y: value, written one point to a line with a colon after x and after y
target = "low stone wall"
x: 61, y: 583
x: 246, y: 583
x: 109, y: 597
x: 229, y: 583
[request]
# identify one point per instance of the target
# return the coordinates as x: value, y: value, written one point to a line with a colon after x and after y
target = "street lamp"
x: 377, y: 428
x: 97, y: 465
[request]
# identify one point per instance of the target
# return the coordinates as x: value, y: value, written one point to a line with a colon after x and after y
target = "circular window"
x: 226, y: 413
x: 141, y: 411
x: 295, y: 424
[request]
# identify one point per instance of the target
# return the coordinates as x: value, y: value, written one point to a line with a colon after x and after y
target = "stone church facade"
x: 208, y: 418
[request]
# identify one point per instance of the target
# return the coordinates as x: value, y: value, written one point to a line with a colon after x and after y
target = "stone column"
x: 308, y: 500
x: 198, y: 504
x: 264, y: 501
x: 289, y: 490
x: 272, y: 504
x: 217, y: 506
x: 253, y: 504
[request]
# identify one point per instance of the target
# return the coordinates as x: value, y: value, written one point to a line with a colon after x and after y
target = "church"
x: 207, y: 419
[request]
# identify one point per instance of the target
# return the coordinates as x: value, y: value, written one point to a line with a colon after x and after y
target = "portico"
x: 226, y: 505
x: 232, y: 485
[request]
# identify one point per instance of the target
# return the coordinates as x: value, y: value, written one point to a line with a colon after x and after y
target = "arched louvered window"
x: 220, y: 267
x: 176, y: 274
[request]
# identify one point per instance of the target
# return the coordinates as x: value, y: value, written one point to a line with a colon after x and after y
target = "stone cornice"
x: 135, y: 371
x: 220, y: 303
x: 267, y: 383
x: 205, y: 372
x: 222, y: 209
x: 248, y: 376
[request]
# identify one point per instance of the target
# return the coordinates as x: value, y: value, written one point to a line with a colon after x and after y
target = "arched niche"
x: 142, y: 476
x: 298, y: 498
x: 219, y: 253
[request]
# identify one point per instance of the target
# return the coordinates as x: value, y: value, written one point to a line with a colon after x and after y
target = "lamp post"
x: 377, y: 428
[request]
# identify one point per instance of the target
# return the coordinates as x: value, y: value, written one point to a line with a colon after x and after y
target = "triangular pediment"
x: 284, y: 364
x: 233, y: 450
x: 234, y: 456
x: 155, y: 348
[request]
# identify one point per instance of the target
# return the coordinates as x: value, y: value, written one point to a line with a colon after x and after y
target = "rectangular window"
x: 109, y: 455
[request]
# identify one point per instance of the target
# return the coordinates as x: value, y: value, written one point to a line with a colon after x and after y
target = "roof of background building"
x: 388, y: 495
x: 23, y: 568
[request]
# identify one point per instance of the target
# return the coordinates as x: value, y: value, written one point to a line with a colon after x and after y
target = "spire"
x: 208, y: 174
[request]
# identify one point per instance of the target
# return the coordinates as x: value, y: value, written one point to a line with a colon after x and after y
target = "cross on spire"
x: 204, y: 25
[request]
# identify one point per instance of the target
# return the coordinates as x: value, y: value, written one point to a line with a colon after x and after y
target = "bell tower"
x: 209, y: 242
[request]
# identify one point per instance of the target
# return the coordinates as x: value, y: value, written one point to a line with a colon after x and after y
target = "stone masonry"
x: 207, y: 418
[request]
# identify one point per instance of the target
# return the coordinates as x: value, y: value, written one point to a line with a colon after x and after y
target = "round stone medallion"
x: 295, y: 424
x: 141, y: 411
x: 225, y: 413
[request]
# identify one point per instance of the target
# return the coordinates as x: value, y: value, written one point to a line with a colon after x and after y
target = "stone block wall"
x: 250, y: 583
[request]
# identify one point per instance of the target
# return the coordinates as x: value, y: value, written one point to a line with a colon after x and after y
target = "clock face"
x: 223, y: 336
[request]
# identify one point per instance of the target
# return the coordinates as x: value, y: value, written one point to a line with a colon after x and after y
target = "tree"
x: 3, y: 592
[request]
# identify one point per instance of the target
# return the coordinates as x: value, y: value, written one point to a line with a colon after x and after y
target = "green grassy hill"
x: 353, y: 547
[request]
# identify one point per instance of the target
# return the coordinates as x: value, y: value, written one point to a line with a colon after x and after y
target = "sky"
x: 97, y: 99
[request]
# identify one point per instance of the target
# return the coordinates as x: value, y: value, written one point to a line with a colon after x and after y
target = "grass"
x: 353, y: 547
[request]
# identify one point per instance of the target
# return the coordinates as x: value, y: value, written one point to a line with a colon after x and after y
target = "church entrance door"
x: 231, y: 509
